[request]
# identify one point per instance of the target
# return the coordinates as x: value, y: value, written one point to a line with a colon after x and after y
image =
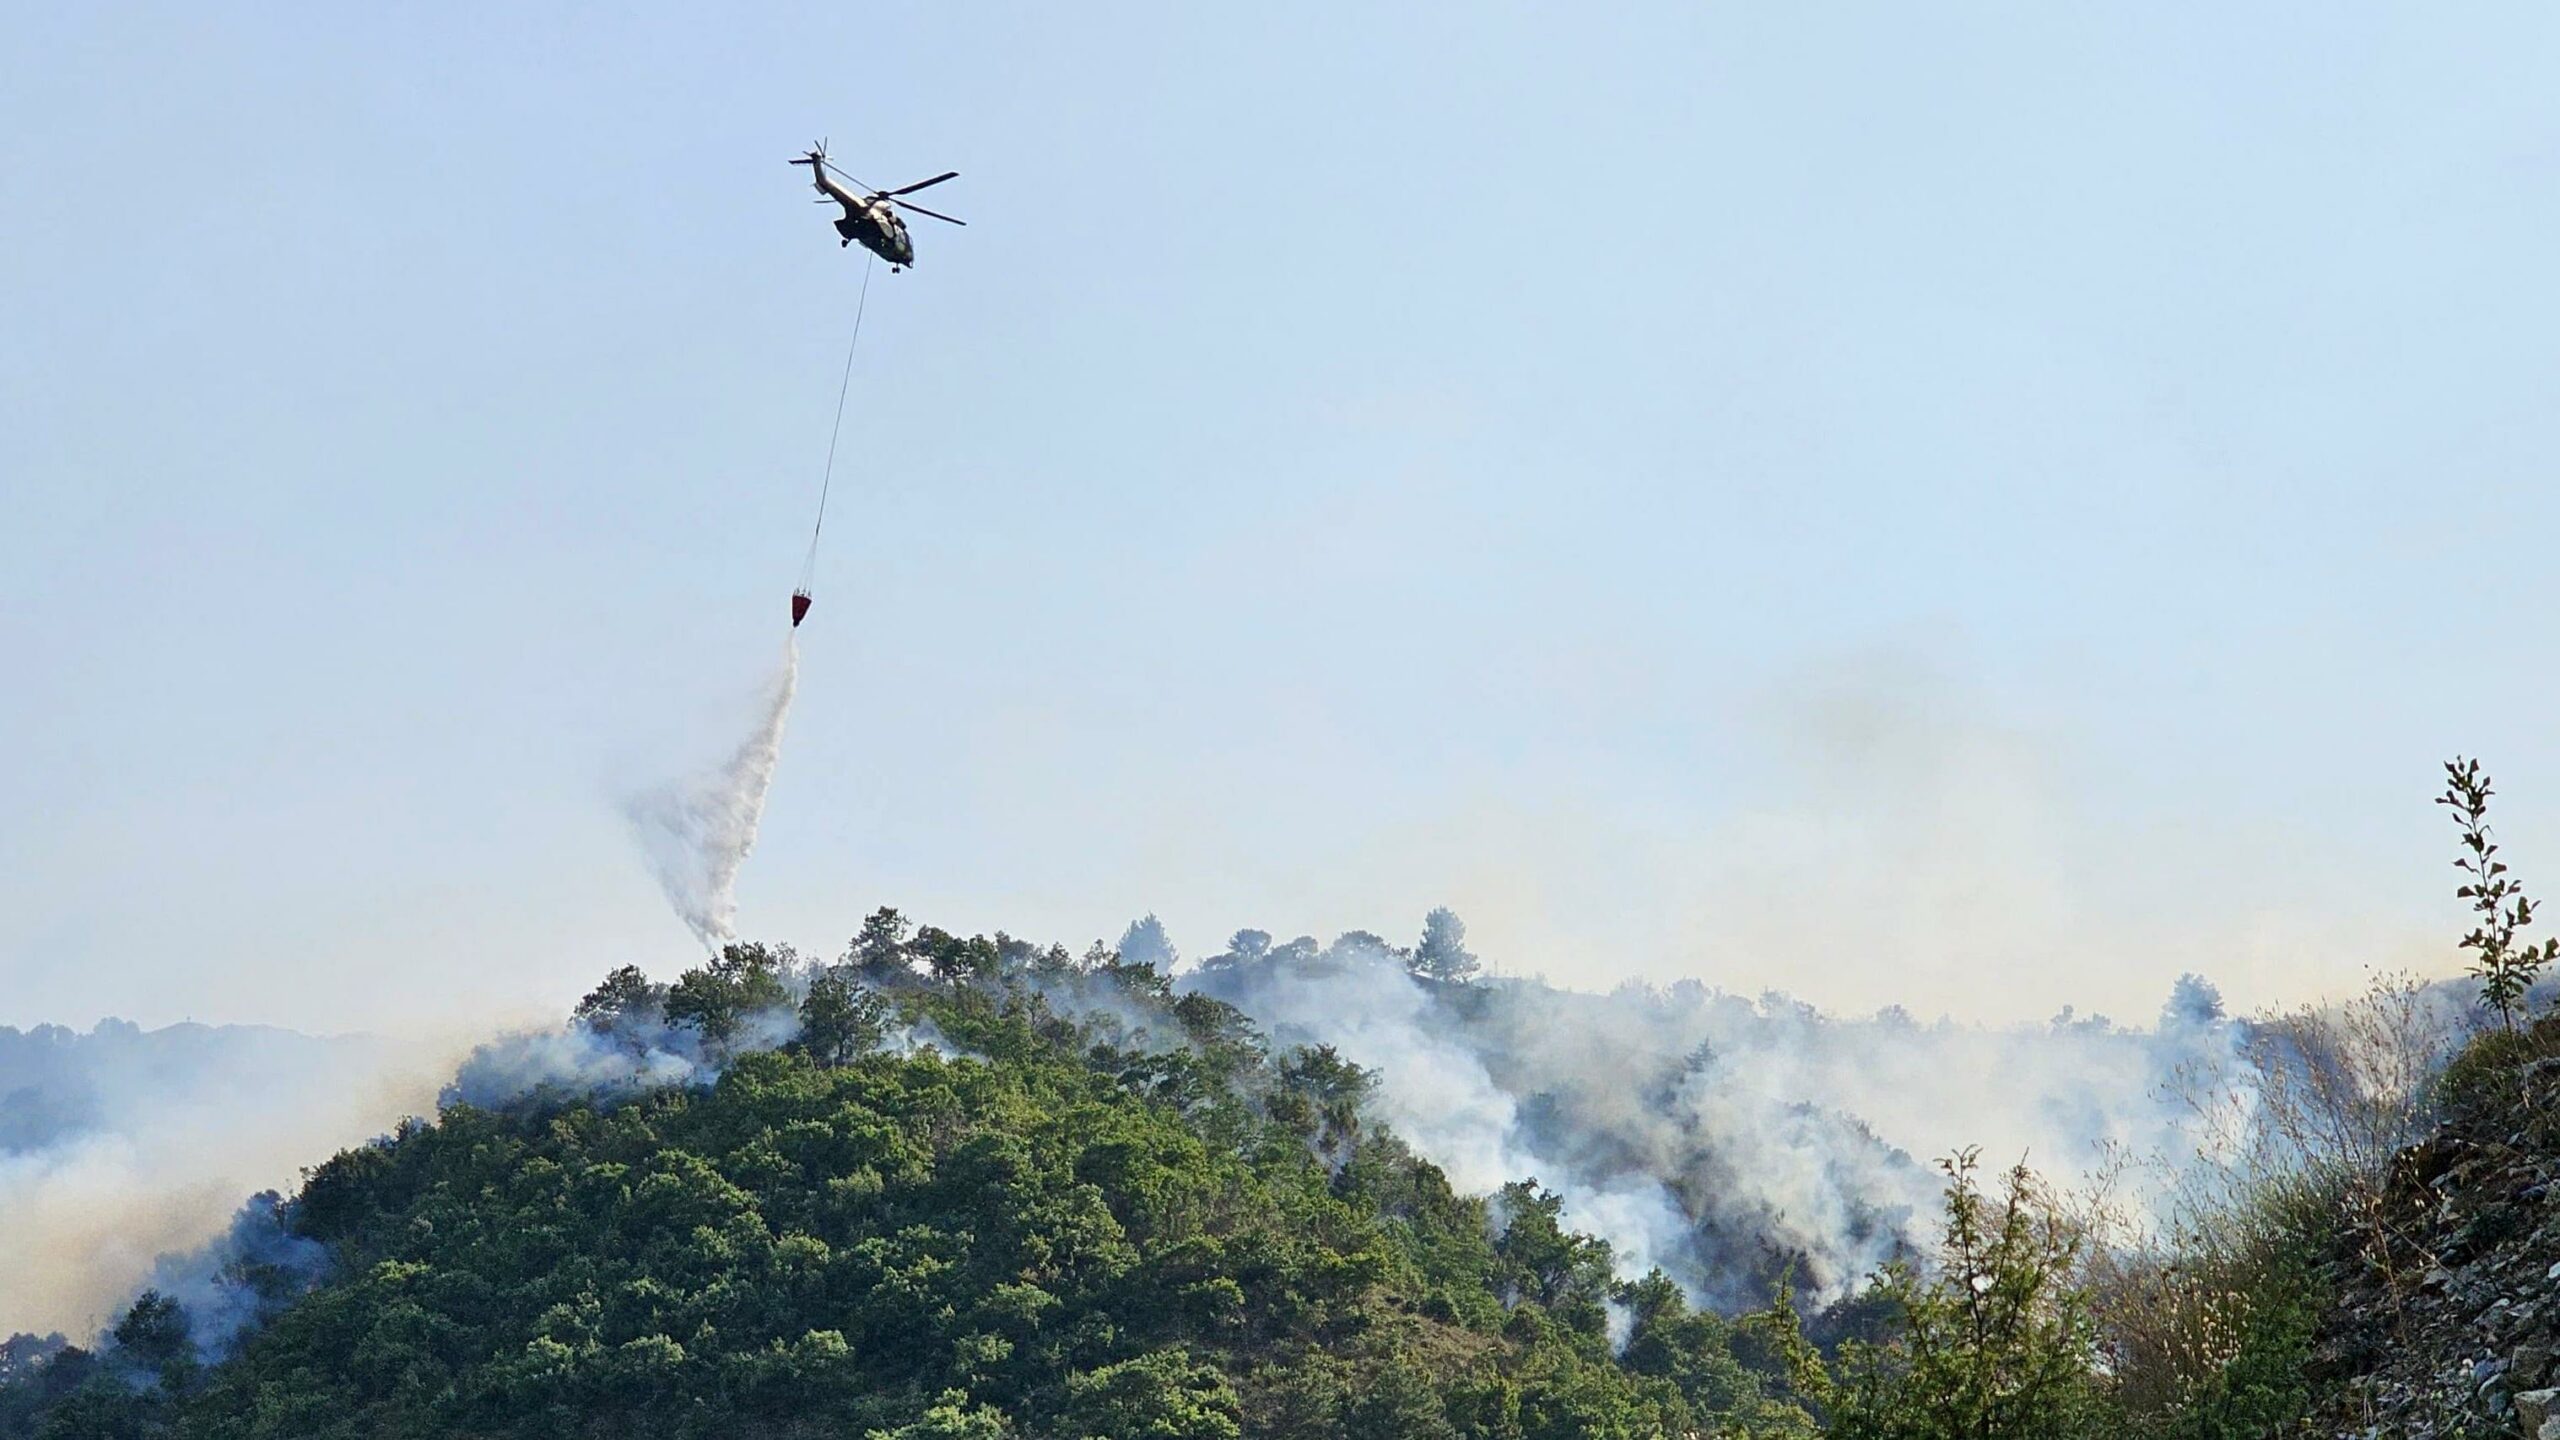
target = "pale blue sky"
x: 1980, y: 507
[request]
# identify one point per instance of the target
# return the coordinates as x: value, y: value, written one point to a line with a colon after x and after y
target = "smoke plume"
x: 583, y: 1062
x: 122, y: 1145
x: 226, y: 1287
x: 1731, y: 1140
x: 697, y: 832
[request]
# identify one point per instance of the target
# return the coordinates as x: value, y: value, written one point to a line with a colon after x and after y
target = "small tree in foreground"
x: 1998, y: 1345
x: 2505, y: 969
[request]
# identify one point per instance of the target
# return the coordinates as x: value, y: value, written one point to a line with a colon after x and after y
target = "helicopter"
x: 873, y: 218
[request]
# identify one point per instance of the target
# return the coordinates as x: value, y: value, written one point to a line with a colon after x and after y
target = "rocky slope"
x: 2448, y: 1319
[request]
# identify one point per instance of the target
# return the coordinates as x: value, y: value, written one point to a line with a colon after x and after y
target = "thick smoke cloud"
x: 697, y: 832
x: 125, y: 1154
x: 575, y: 1061
x: 1726, y: 1139
x: 122, y: 1145
x: 228, y: 1285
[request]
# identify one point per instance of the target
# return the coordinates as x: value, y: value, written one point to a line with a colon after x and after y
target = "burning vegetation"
x: 946, y: 1186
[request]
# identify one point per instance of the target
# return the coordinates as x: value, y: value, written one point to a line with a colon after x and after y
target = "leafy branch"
x: 2504, y: 968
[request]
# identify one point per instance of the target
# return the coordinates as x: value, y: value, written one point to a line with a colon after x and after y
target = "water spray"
x: 698, y: 832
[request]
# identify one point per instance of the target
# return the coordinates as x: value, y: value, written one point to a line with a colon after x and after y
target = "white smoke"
x: 1729, y: 1140
x: 120, y: 1146
x: 697, y: 832
x: 575, y: 1061
x: 1435, y: 1090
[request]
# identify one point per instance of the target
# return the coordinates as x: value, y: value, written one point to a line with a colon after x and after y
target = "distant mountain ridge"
x: 119, y: 1145
x: 57, y: 1082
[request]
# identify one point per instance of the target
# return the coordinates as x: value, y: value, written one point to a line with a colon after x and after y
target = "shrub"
x: 1999, y: 1344
x: 2483, y: 1074
x: 2505, y: 969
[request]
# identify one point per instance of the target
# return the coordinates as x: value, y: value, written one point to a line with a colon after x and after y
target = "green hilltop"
x: 971, y: 1189
x: 1137, y: 1225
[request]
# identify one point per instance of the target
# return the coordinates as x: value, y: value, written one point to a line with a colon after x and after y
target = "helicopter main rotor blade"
x: 840, y: 170
x: 921, y: 184
x: 936, y: 214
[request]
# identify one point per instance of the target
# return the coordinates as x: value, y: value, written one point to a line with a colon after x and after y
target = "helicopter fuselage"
x: 872, y: 221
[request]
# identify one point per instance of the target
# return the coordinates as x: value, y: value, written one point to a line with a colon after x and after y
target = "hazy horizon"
x: 1984, y: 511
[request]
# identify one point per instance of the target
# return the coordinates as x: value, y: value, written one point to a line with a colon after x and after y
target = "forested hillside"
x: 1133, y: 1223
x: 946, y: 1188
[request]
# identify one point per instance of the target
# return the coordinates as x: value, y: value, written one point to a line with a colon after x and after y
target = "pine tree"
x: 1145, y: 943
x: 1443, y: 953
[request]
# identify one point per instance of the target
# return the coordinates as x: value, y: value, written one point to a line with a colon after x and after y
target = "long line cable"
x: 835, y: 432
